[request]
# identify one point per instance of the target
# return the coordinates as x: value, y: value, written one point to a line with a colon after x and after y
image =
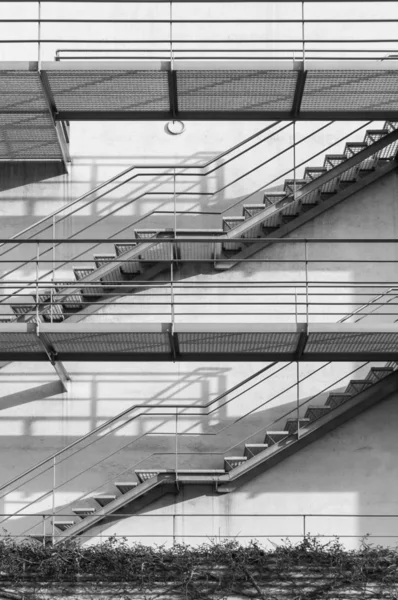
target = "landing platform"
x: 32, y: 102
x: 197, y: 342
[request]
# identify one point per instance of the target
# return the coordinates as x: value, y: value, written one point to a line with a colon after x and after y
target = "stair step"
x: 333, y: 160
x: 271, y: 198
x: 160, y: 251
x: 312, y: 173
x: 103, y: 500
x: 254, y: 449
x: 305, y: 207
x: 291, y: 425
x: 107, y: 259
x: 63, y: 525
x: 72, y: 301
x: 130, y: 266
x: 251, y: 210
x: 52, y: 313
x: 231, y: 462
x: 336, y: 399
x: 378, y: 373
x: 353, y: 148
x: 292, y: 185
x: 93, y: 290
x: 358, y: 385
x: 83, y: 512
x: 314, y: 413
x: 145, y: 474
x: 125, y: 486
x: 273, y: 437
x: 228, y: 224
x: 289, y: 218
x: 269, y: 230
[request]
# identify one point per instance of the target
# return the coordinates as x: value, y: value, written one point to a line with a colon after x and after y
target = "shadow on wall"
x: 18, y: 174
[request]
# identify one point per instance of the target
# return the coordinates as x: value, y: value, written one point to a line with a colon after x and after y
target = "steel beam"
x: 300, y: 338
x: 298, y: 94
x: 54, y: 360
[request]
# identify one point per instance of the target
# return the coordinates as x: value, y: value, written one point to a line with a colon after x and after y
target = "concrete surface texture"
x: 351, y: 471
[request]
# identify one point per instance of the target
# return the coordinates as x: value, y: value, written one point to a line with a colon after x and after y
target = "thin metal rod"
x: 53, y: 500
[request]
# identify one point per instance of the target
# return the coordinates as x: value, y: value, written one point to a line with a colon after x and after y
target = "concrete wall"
x: 349, y: 471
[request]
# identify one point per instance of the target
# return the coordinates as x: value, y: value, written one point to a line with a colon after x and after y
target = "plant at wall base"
x: 212, y: 571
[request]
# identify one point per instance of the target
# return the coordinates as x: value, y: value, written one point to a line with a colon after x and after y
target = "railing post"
x: 37, y: 280
x: 304, y: 528
x: 306, y: 280
x: 298, y: 397
x: 174, y: 530
x: 53, y: 273
x: 39, y: 37
x: 53, y: 502
x: 303, y: 31
x: 44, y: 529
x: 176, y: 448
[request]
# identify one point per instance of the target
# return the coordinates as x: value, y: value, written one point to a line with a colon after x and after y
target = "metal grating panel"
x: 134, y: 342
x: 234, y: 90
x: 20, y: 342
x: 350, y: 91
x: 21, y: 91
x: 249, y: 342
x: 110, y: 91
x: 366, y: 342
x: 28, y: 136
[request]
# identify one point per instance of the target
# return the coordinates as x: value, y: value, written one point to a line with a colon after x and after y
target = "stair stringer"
x: 278, y: 452
x: 307, y: 216
x: 165, y: 481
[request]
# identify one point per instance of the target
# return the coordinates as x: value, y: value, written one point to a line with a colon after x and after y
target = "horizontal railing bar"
x: 171, y: 515
x: 167, y: 51
x: 194, y: 21
x: 176, y: 303
x: 195, y: 41
x: 202, y: 239
x: 194, y: 1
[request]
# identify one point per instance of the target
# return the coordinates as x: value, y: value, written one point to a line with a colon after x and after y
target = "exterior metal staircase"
x: 277, y: 445
x: 299, y: 201
x: 359, y: 395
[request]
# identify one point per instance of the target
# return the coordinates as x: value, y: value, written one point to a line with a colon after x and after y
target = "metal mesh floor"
x: 27, y: 129
x: 228, y: 90
x: 197, y: 341
x: 109, y: 91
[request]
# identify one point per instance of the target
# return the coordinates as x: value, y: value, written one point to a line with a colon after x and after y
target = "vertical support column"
x: 304, y: 527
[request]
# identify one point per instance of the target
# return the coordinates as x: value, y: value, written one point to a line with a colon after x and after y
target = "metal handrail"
x: 128, y: 170
x: 117, y: 417
x: 201, y: 414
x: 223, y: 212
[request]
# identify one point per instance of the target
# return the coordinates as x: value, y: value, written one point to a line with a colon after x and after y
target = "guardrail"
x: 163, y: 30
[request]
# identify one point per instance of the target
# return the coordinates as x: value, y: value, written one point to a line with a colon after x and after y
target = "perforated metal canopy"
x: 211, y: 90
x: 197, y: 342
